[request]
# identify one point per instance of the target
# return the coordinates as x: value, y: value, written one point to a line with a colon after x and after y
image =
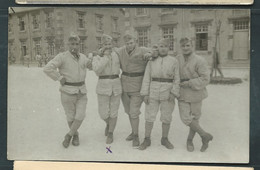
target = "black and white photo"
x: 128, y: 84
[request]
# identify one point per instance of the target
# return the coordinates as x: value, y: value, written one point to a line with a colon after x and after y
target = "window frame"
x: 49, y: 19
x: 144, y: 39
x: 199, y: 33
x: 168, y: 35
x: 81, y: 20
x: 99, y: 22
x: 36, y: 21
x: 114, y: 21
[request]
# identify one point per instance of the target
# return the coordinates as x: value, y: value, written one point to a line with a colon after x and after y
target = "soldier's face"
x: 74, y: 46
x: 163, y: 49
x: 108, y: 45
x: 130, y: 45
x: 186, y: 48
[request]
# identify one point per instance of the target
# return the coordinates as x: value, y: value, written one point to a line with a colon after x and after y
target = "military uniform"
x: 194, y: 73
x: 72, y: 67
x: 109, y: 89
x: 161, y: 80
x: 133, y: 66
x: 73, y: 93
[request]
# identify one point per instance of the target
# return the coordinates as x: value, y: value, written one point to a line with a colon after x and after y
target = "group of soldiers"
x: 134, y: 75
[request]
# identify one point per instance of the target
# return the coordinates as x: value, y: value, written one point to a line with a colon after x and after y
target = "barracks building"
x: 44, y: 31
x: 232, y: 42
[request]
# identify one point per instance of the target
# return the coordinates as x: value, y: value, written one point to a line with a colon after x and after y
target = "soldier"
x: 109, y: 88
x: 160, y: 88
x: 133, y: 60
x: 194, y: 74
x: 72, y: 67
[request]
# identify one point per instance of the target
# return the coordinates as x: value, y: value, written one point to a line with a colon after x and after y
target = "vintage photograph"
x: 128, y: 84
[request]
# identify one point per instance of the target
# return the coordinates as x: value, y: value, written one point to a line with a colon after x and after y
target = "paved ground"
x: 37, y: 125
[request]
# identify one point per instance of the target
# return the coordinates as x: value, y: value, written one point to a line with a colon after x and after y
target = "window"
x: 168, y: 33
x: 141, y: 11
x: 51, y: 48
x: 23, y: 48
x: 81, y: 20
x: 82, y: 46
x: 36, y: 22
x: 99, y: 22
x: 142, y: 34
x: 21, y: 24
x: 114, y: 24
x: 37, y: 44
x: 167, y: 10
x: 49, y: 19
x: 201, y: 37
x: 240, y: 25
x: 99, y: 45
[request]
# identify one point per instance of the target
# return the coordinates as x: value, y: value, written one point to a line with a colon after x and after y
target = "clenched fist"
x: 62, y: 81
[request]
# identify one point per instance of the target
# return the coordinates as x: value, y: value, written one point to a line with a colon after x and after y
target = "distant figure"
x: 39, y: 59
x: 27, y: 60
x: 215, y: 65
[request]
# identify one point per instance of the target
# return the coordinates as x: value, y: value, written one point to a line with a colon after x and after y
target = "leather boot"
x: 66, y: 141
x: 75, y: 139
x: 165, y: 142
x: 190, y: 145
x: 205, y: 137
x: 109, y: 138
x: 145, y: 144
x: 165, y: 131
x: 130, y: 137
x: 135, y: 127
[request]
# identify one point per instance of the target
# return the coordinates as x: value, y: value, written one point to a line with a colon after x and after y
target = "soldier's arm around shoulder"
x: 204, y: 75
x: 147, y: 53
x: 51, y: 68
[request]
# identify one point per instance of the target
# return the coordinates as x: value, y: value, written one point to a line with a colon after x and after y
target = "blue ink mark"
x: 108, y: 149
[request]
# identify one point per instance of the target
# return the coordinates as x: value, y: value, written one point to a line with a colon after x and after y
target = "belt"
x: 109, y: 76
x: 182, y: 80
x: 137, y: 74
x: 162, y: 80
x: 75, y: 84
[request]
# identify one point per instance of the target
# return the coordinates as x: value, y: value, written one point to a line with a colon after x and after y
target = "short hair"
x: 164, y: 41
x: 128, y: 37
x: 106, y: 38
x: 73, y: 36
x: 185, y: 40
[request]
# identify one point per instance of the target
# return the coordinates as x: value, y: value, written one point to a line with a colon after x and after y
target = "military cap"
x: 185, y: 40
x: 106, y: 38
x: 74, y: 36
x: 164, y: 41
x: 128, y: 37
